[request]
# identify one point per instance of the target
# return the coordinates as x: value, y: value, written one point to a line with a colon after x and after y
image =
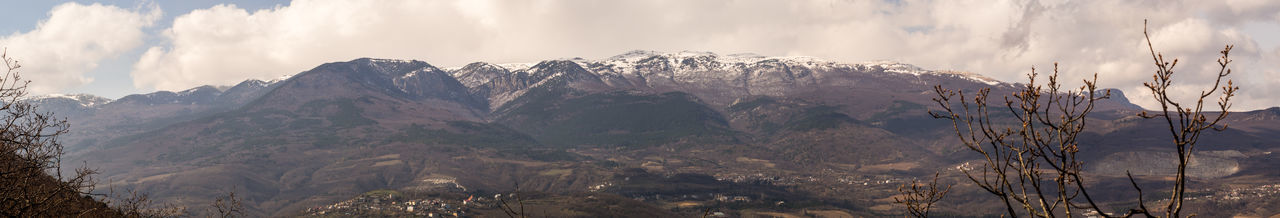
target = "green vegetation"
x: 754, y: 103
x: 247, y: 123
x: 799, y: 116
x: 905, y: 118
x: 249, y: 143
x: 508, y: 142
x: 615, y: 118
x: 327, y: 141
x: 346, y: 116
x: 642, y: 184
x: 899, y: 107
x: 541, y: 154
x: 384, y: 192
x: 536, y: 97
x: 467, y: 133
x: 818, y: 118
x: 189, y: 153
x: 305, y: 123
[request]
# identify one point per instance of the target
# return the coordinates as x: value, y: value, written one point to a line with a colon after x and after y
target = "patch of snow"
x: 452, y: 70
x: 53, y: 96
x: 974, y: 77
x: 281, y: 78
x: 410, y: 74
x: 393, y: 61
x: 800, y: 59
x: 687, y: 53
x: 516, y: 66
x: 896, y: 67
x: 193, y: 90
x: 256, y: 83
x: 694, y: 67
x: 490, y: 67
x: 222, y: 88
x: 85, y: 100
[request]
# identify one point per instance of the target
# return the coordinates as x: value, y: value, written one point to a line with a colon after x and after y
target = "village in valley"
x: 389, y: 203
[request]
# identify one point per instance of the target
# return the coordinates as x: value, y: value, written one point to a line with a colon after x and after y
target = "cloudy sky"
x: 114, y: 48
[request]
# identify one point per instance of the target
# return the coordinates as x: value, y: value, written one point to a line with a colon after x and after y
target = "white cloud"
x: 1002, y: 39
x: 62, y: 49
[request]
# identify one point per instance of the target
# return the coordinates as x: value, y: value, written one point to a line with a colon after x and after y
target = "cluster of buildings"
x: 731, y: 198
x: 770, y: 179
x: 389, y: 204
x: 598, y: 187
x: 866, y: 180
x: 694, y: 197
x: 1247, y: 193
x: 873, y: 180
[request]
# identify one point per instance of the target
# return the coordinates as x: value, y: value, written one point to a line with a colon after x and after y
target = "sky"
x: 114, y: 48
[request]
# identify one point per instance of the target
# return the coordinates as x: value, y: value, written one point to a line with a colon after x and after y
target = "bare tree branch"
x: 1040, y: 142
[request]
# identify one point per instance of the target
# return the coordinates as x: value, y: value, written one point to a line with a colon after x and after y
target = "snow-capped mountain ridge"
x: 691, y: 66
x: 206, y: 94
x: 729, y: 76
x: 84, y: 100
x: 686, y: 64
x: 724, y: 76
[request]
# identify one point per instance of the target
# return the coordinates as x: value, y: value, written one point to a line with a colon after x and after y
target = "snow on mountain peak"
x: 738, y: 58
x: 388, y: 65
x: 897, y: 67
x: 516, y: 66
x: 973, y: 76
x: 85, y: 100
x: 700, y: 63
x: 392, y: 61
x: 281, y: 78
x: 484, y: 66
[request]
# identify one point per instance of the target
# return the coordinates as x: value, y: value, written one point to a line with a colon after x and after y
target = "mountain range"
x: 812, y: 130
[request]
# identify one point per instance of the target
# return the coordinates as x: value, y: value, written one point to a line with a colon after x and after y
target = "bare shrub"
x: 1039, y: 142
